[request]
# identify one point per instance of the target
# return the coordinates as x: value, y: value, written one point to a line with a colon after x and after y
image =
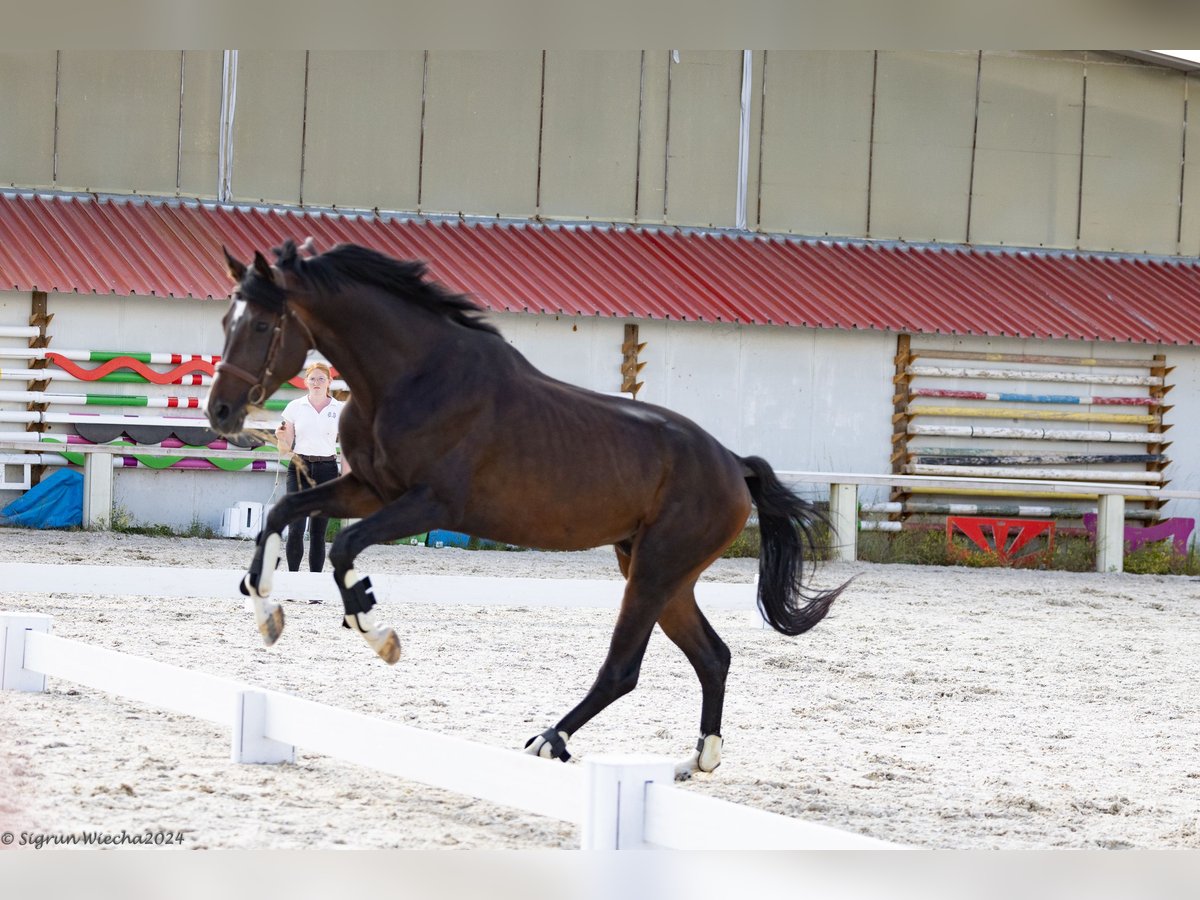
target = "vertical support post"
x: 900, y: 418
x: 843, y: 514
x: 630, y: 367
x: 250, y: 743
x: 40, y: 319
x: 13, y: 628
x: 614, y: 809
x: 1110, y: 533
x: 97, y: 490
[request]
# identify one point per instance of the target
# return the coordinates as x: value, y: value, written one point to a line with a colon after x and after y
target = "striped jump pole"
x: 111, y: 361
x: 892, y: 507
x: 1031, y: 375
x: 1041, y: 434
x: 1030, y: 358
x: 127, y: 377
x: 1112, y: 475
x: 57, y: 418
x: 72, y: 355
x: 132, y: 400
x: 957, y: 456
x: 1013, y: 397
x: 1044, y: 415
x: 20, y: 331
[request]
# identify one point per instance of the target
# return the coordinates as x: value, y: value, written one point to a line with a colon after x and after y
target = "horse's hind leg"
x: 618, y: 674
x: 684, y: 623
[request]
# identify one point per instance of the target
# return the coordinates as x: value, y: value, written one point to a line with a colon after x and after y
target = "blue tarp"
x: 56, y: 502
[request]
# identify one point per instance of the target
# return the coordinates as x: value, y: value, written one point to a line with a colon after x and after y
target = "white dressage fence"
x: 1110, y: 524
x: 618, y: 802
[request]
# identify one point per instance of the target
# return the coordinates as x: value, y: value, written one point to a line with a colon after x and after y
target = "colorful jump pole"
x: 1043, y: 434
x: 1031, y: 375
x: 1112, y: 475
x: 115, y: 400
x: 1043, y: 415
x: 1011, y: 397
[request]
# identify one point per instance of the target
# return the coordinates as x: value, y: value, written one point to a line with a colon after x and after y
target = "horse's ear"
x: 262, y: 267
x: 237, y: 269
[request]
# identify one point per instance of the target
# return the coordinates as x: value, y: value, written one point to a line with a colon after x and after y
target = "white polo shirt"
x: 316, y: 432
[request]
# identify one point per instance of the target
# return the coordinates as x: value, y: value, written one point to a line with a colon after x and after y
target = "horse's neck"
x: 372, y: 340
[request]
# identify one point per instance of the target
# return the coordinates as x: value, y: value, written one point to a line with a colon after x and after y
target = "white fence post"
x: 614, y: 806
x: 13, y: 628
x: 97, y: 490
x: 843, y: 515
x: 250, y: 743
x: 1110, y: 533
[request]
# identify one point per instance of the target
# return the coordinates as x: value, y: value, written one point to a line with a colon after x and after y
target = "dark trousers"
x: 315, y: 473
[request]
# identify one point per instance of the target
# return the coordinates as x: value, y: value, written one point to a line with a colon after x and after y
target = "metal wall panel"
x: 758, y: 67
x: 1189, y: 236
x: 590, y: 135
x: 268, y: 126
x: 816, y: 142
x: 363, y: 134
x: 652, y: 154
x: 702, y: 139
x: 921, y: 166
x: 118, y: 121
x: 482, y: 110
x: 1133, y: 145
x: 200, y: 131
x: 27, y: 111
x: 1027, y: 151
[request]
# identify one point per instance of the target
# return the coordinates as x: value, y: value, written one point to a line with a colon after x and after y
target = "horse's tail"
x: 788, y: 525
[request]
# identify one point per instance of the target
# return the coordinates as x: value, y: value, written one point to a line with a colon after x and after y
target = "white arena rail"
x: 618, y: 802
x: 481, y: 590
x: 1110, y: 523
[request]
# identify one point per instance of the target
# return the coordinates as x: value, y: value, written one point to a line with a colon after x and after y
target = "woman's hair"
x: 311, y: 367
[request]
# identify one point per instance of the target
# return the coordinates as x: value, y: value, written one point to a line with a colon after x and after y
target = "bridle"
x: 258, y: 383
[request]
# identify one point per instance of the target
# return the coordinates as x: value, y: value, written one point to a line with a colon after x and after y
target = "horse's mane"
x: 404, y: 280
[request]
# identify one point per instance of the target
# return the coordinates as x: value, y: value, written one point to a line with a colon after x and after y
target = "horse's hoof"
x: 704, y: 759
x: 550, y: 744
x: 386, y: 644
x: 270, y: 626
x: 381, y: 639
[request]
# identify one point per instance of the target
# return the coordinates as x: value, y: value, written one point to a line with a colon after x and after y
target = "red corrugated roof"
x: 170, y: 248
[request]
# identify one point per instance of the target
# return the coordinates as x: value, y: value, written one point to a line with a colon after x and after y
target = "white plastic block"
x: 250, y: 743
x: 13, y: 628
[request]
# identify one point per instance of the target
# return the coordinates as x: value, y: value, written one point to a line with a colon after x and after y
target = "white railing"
x: 618, y: 802
x: 1110, y: 522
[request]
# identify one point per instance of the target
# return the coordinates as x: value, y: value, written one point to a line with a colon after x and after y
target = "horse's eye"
x: 261, y: 326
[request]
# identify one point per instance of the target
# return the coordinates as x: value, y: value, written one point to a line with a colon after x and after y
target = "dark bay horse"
x: 450, y: 427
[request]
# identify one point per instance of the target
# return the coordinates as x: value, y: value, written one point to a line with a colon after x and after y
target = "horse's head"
x: 265, y: 343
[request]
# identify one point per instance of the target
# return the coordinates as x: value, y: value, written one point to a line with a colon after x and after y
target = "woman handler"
x: 309, y: 432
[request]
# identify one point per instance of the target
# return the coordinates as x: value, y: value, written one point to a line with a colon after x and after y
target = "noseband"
x: 258, y: 383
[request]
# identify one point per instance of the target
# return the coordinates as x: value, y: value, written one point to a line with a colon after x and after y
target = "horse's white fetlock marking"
x: 270, y: 559
x: 703, y: 759
x: 541, y: 747
x: 381, y: 639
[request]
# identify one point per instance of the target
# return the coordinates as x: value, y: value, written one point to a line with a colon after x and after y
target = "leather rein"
x: 258, y: 383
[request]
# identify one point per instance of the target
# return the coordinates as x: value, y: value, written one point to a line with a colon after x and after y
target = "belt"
x: 316, y: 459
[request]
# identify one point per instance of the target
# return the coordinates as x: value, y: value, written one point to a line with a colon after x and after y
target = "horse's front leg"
x: 416, y: 511
x: 343, y: 497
